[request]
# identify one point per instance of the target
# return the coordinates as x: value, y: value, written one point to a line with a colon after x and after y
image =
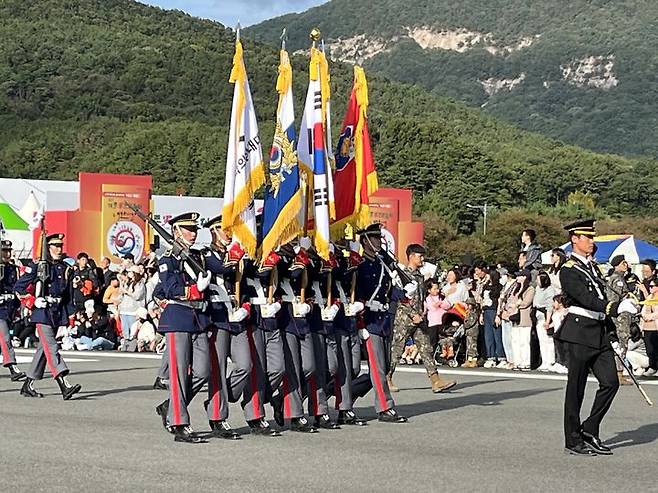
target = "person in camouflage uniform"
x: 616, y: 290
x: 410, y: 322
x: 471, y: 331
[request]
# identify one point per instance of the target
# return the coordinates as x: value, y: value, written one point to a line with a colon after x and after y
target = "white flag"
x: 245, y: 172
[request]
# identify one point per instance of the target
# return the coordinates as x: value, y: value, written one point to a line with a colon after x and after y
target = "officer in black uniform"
x: 184, y: 322
x: 584, y: 334
x: 8, y: 306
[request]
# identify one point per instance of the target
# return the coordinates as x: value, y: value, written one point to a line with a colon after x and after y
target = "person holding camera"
x: 133, y: 297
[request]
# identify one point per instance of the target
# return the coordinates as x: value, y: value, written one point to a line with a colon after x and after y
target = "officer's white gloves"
x: 616, y: 347
x: 428, y: 270
x: 352, y: 309
x: 270, y: 309
x: 628, y: 306
x: 203, y: 281
x: 329, y: 314
x: 364, y: 334
x: 301, y: 309
x: 410, y: 289
x: 238, y: 315
x: 40, y: 302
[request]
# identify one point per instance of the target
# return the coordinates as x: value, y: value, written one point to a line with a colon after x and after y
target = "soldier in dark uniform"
x: 184, y: 321
x: 584, y: 335
x: 8, y: 306
x: 299, y: 359
x: 321, y: 322
x: 50, y: 310
x: 265, y: 343
x: 230, y: 315
x: 343, y: 343
x: 374, y: 285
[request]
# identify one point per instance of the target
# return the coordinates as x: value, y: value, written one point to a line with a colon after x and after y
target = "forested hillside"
x: 583, y: 71
x: 116, y: 86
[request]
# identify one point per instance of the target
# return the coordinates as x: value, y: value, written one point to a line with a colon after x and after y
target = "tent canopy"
x: 633, y: 249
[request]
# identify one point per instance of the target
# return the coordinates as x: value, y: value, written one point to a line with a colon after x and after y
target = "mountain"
x: 582, y: 71
x: 117, y: 86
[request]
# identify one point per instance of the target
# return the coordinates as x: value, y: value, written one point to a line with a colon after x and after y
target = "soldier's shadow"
x: 485, y: 399
x: 458, y: 387
x: 643, y: 434
x: 90, y: 396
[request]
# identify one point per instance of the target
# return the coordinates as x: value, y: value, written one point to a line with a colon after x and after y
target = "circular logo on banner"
x: 125, y: 237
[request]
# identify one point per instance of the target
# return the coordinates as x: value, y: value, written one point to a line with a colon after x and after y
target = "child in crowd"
x: 557, y: 317
x: 411, y: 355
x: 436, y: 307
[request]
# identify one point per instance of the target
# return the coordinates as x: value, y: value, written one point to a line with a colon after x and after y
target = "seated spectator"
x: 96, y: 331
x: 143, y: 331
x: 637, y: 352
x: 411, y: 354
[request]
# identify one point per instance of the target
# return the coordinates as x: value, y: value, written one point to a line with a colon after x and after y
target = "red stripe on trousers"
x: 173, y: 380
x: 5, y: 350
x: 313, y: 394
x: 286, y: 397
x: 379, y: 389
x: 253, y: 377
x: 46, y: 350
x: 215, y: 395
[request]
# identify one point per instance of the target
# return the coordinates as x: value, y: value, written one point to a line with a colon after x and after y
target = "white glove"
x: 410, y: 289
x: 616, y: 348
x: 628, y: 306
x: 428, y: 270
x: 395, y: 277
x: 364, y: 334
x: 301, y: 309
x: 329, y: 314
x: 352, y: 309
x: 202, y: 282
x: 40, y: 303
x: 270, y: 310
x: 238, y: 315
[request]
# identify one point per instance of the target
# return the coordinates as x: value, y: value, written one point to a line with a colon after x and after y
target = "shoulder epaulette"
x: 168, y: 252
x: 569, y: 263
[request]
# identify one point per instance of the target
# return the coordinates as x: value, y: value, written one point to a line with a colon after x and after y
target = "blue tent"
x: 633, y: 249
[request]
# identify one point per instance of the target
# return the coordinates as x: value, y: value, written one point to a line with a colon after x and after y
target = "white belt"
x: 258, y: 301
x: 218, y: 298
x: 577, y: 310
x: 376, y: 306
x: 289, y: 299
x: 196, y: 305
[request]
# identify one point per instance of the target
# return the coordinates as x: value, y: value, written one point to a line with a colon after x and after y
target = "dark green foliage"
x: 621, y: 120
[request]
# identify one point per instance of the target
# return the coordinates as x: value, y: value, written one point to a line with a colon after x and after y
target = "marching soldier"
x: 409, y: 322
x: 587, y: 345
x: 616, y: 291
x: 49, y: 312
x: 374, y: 291
x: 8, y: 306
x: 184, y: 322
x: 321, y: 322
x: 265, y: 344
x: 299, y: 359
x: 343, y: 344
x: 229, y: 312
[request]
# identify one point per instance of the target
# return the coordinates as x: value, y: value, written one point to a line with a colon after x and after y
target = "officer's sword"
x: 630, y: 373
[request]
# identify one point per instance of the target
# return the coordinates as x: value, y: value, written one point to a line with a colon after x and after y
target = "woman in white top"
x: 133, y: 296
x: 543, y: 305
x: 558, y: 258
x: 454, y: 290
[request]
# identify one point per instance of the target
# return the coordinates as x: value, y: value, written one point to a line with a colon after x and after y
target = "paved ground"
x: 494, y: 432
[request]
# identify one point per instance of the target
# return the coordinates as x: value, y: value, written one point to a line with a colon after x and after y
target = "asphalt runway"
x: 496, y: 431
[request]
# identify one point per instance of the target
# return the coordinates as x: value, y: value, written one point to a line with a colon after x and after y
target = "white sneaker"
x: 558, y: 368
x: 649, y: 372
x: 638, y: 372
x: 502, y: 364
x: 543, y: 367
x: 490, y: 363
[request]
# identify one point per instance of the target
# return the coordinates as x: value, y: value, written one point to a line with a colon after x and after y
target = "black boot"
x: 391, y: 416
x: 162, y: 410
x: 302, y: 425
x: 350, y: 418
x: 277, y: 407
x: 221, y: 429
x: 185, y: 434
x: 324, y: 421
x: 261, y: 427
x: 28, y: 389
x: 66, y: 388
x: 16, y: 374
x: 160, y: 384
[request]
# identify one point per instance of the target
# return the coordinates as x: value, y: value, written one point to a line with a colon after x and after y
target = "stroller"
x: 452, y: 341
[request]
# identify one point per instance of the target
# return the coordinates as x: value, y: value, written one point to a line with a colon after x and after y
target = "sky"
x: 229, y: 12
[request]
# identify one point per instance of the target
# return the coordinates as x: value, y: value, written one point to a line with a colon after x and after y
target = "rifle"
x: 178, y: 247
x: 43, y: 267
